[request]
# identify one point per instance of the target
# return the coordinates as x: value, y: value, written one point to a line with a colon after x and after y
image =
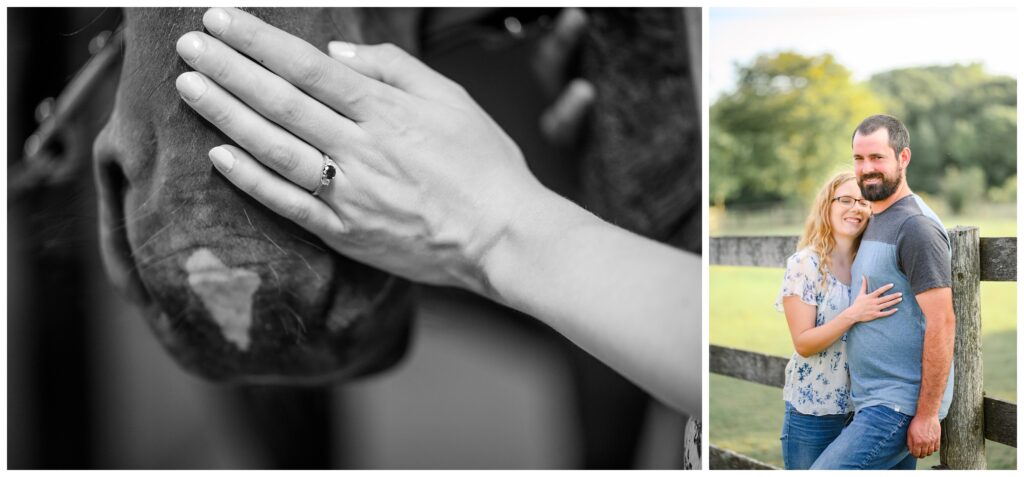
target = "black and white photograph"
x: 354, y: 238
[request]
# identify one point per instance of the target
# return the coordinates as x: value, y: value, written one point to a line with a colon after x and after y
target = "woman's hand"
x: 871, y: 306
x: 426, y: 181
x: 808, y: 338
x: 430, y: 188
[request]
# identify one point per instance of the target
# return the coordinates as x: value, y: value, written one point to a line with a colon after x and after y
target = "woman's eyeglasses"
x: 847, y: 201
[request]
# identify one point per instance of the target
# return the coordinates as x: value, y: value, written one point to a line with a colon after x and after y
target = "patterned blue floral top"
x: 819, y: 384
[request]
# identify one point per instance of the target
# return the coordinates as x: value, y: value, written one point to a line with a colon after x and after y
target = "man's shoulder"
x: 908, y: 215
x: 909, y: 206
x: 920, y: 222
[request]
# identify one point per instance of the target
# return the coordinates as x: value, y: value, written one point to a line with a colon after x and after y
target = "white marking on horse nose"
x: 226, y: 293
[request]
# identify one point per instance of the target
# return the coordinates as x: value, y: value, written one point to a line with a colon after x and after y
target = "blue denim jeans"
x: 804, y: 436
x: 875, y: 439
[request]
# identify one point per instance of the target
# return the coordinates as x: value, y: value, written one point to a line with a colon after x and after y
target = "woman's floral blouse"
x: 819, y: 384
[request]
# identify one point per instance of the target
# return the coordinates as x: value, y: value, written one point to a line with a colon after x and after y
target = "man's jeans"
x: 876, y: 439
x: 804, y: 437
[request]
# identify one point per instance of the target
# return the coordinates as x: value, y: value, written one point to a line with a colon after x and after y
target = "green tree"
x: 1006, y: 193
x: 962, y: 188
x: 784, y: 129
x: 958, y: 116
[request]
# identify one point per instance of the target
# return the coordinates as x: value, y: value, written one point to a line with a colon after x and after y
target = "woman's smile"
x: 848, y: 220
x: 854, y: 219
x: 853, y: 222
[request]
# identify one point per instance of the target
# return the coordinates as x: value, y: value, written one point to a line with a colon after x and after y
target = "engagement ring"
x: 327, y: 173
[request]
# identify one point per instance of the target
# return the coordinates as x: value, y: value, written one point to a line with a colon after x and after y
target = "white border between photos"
x: 705, y: 5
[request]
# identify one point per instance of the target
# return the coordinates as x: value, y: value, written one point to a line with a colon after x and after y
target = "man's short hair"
x: 899, y: 137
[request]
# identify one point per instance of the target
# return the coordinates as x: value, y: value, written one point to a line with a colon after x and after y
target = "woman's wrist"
x: 609, y: 291
x: 848, y: 317
x: 533, y: 219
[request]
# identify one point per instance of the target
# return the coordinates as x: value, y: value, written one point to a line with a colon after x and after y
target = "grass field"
x: 747, y: 417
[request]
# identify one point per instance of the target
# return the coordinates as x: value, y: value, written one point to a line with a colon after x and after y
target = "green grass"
x: 746, y: 417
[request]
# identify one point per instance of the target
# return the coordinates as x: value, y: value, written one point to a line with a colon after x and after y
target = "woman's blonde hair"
x: 818, y: 228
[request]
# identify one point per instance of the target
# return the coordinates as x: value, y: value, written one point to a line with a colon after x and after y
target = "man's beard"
x: 882, y: 190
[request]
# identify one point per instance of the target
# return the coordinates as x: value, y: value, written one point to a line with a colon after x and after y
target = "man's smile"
x: 875, y: 178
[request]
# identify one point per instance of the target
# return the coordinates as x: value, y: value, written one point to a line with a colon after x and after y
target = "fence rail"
x: 1000, y: 416
x: 727, y: 459
x: 974, y: 417
x: 998, y: 254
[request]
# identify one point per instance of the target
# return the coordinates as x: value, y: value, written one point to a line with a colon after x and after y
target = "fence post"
x: 963, y: 433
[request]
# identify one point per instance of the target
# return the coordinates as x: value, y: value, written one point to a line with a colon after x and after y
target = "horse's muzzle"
x: 233, y: 291
x: 252, y: 312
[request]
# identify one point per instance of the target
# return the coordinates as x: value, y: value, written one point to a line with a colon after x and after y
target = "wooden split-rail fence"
x: 972, y: 417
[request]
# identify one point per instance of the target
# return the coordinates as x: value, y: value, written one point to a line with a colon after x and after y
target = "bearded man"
x: 901, y: 366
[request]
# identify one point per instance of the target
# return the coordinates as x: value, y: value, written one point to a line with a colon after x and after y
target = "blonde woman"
x: 816, y: 298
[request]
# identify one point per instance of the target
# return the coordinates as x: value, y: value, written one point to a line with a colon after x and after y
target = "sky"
x: 864, y: 40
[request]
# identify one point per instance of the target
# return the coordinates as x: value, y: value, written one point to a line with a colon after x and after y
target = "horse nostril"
x: 116, y: 251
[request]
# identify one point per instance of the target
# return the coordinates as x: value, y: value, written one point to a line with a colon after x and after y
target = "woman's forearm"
x: 818, y: 338
x: 632, y: 302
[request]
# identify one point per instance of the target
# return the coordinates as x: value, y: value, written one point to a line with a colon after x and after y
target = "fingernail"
x: 222, y: 159
x: 216, y: 20
x: 341, y: 49
x: 190, y: 46
x: 191, y: 86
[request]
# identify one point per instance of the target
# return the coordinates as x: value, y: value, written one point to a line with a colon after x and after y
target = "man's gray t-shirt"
x: 905, y: 245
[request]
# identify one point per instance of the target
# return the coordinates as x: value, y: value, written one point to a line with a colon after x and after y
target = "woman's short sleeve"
x: 801, y: 280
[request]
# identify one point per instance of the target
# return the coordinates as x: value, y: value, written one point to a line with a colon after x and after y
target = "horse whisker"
x: 307, y: 242
x: 283, y: 251
x: 151, y: 237
x: 298, y: 319
x: 277, y: 278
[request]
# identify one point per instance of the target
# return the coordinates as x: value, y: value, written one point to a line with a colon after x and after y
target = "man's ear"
x: 905, y: 157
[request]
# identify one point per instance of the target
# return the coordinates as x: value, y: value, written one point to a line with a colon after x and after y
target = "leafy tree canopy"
x: 785, y: 128
x: 787, y: 125
x: 958, y: 116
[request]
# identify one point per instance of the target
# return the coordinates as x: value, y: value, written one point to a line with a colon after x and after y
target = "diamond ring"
x: 327, y: 173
